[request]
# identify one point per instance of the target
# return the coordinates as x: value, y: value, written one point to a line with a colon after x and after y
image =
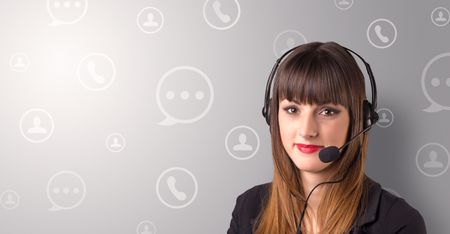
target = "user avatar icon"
x: 146, y: 227
x: 37, y: 128
x: 19, y: 62
x: 96, y: 71
x: 36, y: 125
x: 176, y: 187
x: 432, y: 159
x: 440, y: 16
x: 9, y: 199
x: 242, y: 142
x: 221, y: 14
x: 433, y: 163
x: 115, y: 142
x: 436, y: 83
x: 343, y: 4
x: 150, y: 20
x: 381, y: 33
x: 242, y: 146
x: 286, y: 40
x: 386, y: 117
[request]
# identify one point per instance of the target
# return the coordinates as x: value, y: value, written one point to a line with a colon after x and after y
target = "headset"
x: 370, y: 116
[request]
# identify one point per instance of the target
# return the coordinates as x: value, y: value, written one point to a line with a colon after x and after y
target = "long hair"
x: 317, y: 73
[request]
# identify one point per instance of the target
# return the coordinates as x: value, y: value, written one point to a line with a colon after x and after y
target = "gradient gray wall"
x: 145, y: 116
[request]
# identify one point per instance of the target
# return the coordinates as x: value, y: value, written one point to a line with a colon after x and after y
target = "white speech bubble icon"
x: 436, y: 83
x: 66, y: 11
x: 65, y: 190
x: 184, y: 95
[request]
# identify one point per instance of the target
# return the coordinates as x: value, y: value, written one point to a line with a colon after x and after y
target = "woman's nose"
x: 308, y: 127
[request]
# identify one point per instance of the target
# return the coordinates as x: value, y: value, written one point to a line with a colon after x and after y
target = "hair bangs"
x: 313, y: 79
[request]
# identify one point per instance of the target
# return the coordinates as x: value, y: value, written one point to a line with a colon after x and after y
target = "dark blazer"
x: 385, y: 213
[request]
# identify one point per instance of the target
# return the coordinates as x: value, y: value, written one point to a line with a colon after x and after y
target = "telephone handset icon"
x: 93, y: 73
x: 181, y: 196
x: 380, y: 36
x: 223, y: 17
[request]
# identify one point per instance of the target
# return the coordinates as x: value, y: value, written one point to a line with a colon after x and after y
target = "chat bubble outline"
x: 58, y: 22
x: 257, y: 142
x: 435, y: 106
x: 55, y: 206
x: 170, y: 119
x: 48, y: 134
x: 175, y: 169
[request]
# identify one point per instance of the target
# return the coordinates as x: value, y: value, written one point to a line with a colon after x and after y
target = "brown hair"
x: 317, y: 73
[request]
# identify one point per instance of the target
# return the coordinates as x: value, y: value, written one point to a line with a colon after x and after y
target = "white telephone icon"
x: 93, y: 73
x: 181, y: 196
x: 223, y: 17
x: 380, y: 36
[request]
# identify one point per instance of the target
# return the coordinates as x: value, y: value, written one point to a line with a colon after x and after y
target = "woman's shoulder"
x: 247, y: 208
x: 392, y: 213
x: 252, y: 199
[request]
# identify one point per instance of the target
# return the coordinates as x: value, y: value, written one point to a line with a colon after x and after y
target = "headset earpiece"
x: 370, y: 116
x: 266, y: 111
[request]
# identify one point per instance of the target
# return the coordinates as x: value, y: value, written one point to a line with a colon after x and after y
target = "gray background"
x: 121, y: 187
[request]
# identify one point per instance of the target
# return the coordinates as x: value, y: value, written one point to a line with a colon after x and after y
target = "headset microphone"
x: 331, y: 153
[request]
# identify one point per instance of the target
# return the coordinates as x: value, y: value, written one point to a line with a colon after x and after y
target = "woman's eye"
x: 290, y: 110
x: 330, y: 112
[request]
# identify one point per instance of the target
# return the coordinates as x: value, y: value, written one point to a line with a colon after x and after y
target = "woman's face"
x: 300, y: 125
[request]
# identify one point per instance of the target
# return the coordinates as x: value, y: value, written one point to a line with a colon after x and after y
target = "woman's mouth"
x: 308, y: 149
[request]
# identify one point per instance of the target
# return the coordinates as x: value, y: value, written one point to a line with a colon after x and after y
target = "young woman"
x: 319, y: 118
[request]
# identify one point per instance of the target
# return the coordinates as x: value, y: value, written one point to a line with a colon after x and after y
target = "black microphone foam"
x: 329, y: 154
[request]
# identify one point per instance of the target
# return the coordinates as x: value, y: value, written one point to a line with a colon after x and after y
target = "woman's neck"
x: 309, y: 181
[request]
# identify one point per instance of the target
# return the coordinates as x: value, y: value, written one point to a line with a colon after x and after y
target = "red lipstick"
x: 308, y: 149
